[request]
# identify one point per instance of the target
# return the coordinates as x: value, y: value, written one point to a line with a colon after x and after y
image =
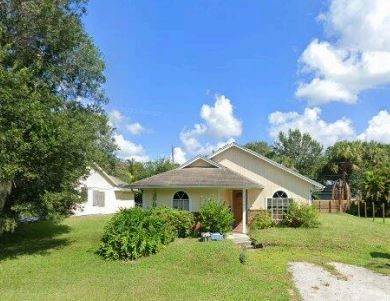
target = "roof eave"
x: 198, y: 186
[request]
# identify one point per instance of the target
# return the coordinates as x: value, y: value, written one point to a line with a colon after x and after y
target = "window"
x: 280, y: 194
x: 181, y: 201
x: 98, y: 198
x: 278, y: 205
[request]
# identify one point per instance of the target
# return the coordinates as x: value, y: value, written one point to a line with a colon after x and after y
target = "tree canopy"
x: 300, y: 151
x: 364, y: 165
x: 52, y: 125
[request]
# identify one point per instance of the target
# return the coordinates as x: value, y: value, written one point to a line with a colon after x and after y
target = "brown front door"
x: 237, y: 207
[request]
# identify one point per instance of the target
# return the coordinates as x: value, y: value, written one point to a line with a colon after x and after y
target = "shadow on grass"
x: 31, y: 239
x: 380, y: 255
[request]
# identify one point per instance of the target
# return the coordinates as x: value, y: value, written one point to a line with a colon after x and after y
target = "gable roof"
x: 111, y: 179
x: 261, y: 157
x: 196, y: 177
x: 200, y: 158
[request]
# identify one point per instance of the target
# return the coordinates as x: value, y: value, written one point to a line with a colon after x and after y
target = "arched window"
x: 181, y: 201
x: 280, y: 194
x: 278, y: 205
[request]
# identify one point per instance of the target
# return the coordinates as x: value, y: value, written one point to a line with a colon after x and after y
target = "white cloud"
x: 135, y: 128
x: 115, y: 118
x: 220, y: 126
x: 190, y: 138
x: 358, y: 59
x: 310, y: 122
x: 378, y: 128
x: 129, y: 150
x: 120, y: 121
x: 219, y: 118
x: 179, y: 155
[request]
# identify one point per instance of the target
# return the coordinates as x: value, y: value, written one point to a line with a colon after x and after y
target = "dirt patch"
x: 357, y: 284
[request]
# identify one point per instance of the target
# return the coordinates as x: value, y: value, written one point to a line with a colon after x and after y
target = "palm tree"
x: 373, y: 186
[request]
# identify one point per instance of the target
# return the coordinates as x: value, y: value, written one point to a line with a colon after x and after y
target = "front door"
x: 237, y: 207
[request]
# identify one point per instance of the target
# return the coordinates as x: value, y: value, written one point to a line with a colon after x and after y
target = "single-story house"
x: 103, y: 193
x: 240, y: 177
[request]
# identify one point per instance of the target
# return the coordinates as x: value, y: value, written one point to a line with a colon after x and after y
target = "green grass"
x: 340, y: 237
x: 45, y: 261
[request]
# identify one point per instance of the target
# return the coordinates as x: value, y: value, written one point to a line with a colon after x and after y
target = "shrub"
x: 182, y: 221
x: 301, y: 216
x: 132, y: 233
x: 216, y: 217
x: 243, y: 258
x: 261, y: 220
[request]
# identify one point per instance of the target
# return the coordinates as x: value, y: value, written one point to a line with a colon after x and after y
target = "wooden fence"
x: 331, y: 206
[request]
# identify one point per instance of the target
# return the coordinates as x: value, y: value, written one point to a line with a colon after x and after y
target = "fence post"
x: 359, y: 208
x: 365, y: 209
x: 383, y: 212
x: 373, y: 211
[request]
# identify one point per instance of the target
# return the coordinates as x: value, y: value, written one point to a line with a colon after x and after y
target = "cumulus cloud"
x: 327, y: 133
x: 179, y: 155
x: 221, y: 122
x: 220, y: 126
x: 135, y: 128
x: 120, y: 121
x: 129, y: 150
x: 378, y: 128
x: 356, y: 59
x: 116, y: 118
x: 310, y: 122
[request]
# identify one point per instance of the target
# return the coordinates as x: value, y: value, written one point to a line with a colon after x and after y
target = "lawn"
x: 45, y: 261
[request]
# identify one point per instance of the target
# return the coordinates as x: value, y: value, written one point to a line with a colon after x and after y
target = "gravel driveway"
x: 356, y: 283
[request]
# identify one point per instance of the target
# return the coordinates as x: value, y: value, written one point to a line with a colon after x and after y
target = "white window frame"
x: 173, y: 199
x: 278, y: 206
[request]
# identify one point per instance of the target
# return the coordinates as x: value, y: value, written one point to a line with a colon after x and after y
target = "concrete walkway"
x: 240, y: 239
x: 356, y: 283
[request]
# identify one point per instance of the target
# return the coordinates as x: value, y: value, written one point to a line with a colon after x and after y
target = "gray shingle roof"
x: 196, y: 177
x: 118, y: 182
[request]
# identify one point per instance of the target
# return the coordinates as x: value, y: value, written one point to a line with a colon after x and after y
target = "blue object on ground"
x: 216, y: 236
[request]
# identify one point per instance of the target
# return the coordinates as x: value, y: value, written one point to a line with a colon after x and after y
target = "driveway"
x: 353, y: 284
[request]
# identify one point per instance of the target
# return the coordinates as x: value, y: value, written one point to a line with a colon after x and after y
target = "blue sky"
x: 256, y: 67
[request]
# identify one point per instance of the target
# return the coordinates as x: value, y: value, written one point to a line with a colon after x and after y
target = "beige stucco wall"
x: 197, y: 196
x: 264, y: 173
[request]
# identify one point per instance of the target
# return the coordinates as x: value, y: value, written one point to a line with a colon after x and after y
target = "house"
x: 103, y: 193
x: 240, y: 177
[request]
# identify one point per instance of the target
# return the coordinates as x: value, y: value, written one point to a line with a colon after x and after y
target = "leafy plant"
x: 243, y: 258
x: 182, y: 221
x: 303, y: 215
x: 216, y: 217
x: 261, y: 220
x: 133, y: 233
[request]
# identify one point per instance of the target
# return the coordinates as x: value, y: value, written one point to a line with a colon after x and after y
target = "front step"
x: 241, y: 239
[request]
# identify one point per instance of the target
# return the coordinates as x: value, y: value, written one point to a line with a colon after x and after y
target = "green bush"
x: 243, y: 258
x: 261, y: 220
x: 182, y: 221
x: 301, y: 216
x: 216, y: 217
x: 132, y: 233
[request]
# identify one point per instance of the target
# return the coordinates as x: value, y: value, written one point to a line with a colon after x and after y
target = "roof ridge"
x: 202, y: 157
x: 270, y: 161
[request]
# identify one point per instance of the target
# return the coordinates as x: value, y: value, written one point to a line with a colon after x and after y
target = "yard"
x: 45, y: 261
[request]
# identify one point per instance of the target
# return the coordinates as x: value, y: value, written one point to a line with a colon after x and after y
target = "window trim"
x: 275, y: 207
x: 189, y: 200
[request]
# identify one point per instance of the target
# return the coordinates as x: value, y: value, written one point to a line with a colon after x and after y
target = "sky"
x: 198, y: 74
